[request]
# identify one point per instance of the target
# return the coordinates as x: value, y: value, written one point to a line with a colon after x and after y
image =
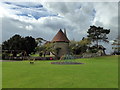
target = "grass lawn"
x: 100, y: 72
x: 37, y: 55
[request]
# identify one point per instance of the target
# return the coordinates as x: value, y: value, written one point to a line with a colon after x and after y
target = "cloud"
x: 46, y: 18
x: 107, y: 16
x: 25, y: 9
x: 29, y: 27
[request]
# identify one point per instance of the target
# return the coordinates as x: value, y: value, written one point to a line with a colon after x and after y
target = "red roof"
x: 60, y: 37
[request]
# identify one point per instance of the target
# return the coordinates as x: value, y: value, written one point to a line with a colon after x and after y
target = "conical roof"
x: 60, y: 37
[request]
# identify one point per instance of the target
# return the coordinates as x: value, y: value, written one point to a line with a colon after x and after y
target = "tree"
x: 79, y: 47
x: 49, y: 47
x: 97, y: 34
x: 116, y: 46
x: 74, y: 47
x: 14, y: 43
x: 40, y: 46
x: 40, y: 41
x: 85, y: 42
x: 17, y: 44
x: 30, y: 44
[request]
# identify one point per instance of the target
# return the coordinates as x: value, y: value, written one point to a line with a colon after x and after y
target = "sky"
x: 44, y: 19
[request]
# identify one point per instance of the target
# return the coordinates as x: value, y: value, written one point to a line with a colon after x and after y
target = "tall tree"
x: 97, y: 34
x: 116, y: 46
x: 30, y: 44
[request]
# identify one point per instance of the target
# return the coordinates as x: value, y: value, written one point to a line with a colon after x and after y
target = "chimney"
x: 65, y: 32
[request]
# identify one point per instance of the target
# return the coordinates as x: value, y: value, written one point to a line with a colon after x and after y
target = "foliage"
x: 18, y: 43
x: 39, y: 41
x: 80, y: 46
x: 116, y: 46
x: 74, y: 47
x: 97, y: 34
x: 85, y: 42
x: 40, y: 46
x: 93, y: 50
x: 30, y: 44
x: 49, y: 47
x: 14, y: 43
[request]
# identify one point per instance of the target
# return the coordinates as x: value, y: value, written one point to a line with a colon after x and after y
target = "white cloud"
x: 20, y: 26
x: 107, y: 16
x: 29, y: 27
x: 76, y: 17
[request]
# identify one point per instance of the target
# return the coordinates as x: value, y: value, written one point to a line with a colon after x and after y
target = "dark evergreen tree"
x: 30, y: 44
x: 97, y: 34
x: 17, y: 43
x: 14, y: 43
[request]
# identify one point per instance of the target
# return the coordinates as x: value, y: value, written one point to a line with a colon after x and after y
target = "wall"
x: 64, y: 48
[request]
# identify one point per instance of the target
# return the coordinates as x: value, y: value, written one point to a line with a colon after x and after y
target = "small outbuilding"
x: 61, y: 43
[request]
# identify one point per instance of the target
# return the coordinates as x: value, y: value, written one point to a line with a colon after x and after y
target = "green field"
x: 37, y: 55
x: 100, y: 72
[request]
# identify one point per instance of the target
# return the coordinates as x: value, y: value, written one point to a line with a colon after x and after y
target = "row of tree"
x: 27, y: 45
x: 95, y: 34
x: 18, y: 44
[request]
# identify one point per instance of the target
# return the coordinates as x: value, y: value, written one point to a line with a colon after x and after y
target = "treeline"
x: 18, y: 44
x: 28, y: 45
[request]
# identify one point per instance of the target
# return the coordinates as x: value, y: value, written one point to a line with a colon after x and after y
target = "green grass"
x: 37, y: 55
x: 100, y: 72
